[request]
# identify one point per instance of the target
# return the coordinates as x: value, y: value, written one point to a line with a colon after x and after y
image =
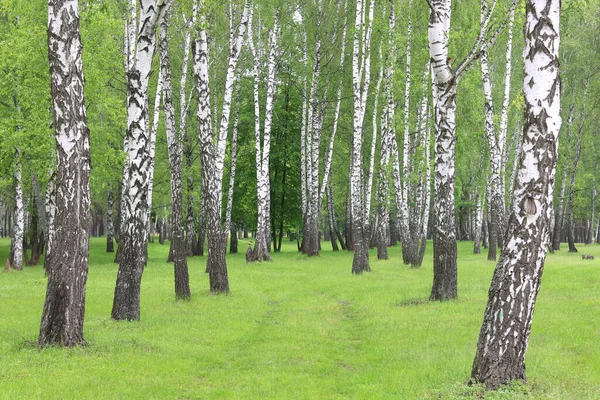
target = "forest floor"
x: 298, y: 328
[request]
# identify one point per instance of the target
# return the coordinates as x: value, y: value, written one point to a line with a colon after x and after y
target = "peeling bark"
x: 504, y: 334
x: 67, y: 263
x: 134, y: 225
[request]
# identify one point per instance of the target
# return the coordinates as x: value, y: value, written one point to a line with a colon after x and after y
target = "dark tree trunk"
x: 67, y: 264
x: 161, y: 232
x: 484, y: 231
x: 217, y: 249
x: 110, y: 246
x: 233, y: 240
x: 330, y: 217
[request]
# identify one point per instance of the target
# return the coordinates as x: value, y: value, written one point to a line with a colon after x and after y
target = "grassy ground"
x: 298, y: 328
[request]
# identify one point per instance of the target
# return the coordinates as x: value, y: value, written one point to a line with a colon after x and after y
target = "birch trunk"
x: 409, y: 243
x: 427, y: 198
x: 50, y: 213
x: 383, y: 190
x: 261, y: 247
x: 477, y: 228
x: 212, y: 156
x: 573, y: 171
x: 175, y: 150
x: 369, y: 187
x: 234, y: 138
x: 360, y: 83
x: 134, y: 226
x: 19, y: 224
x: 496, y: 200
x: 303, y: 150
x: 67, y: 264
x: 110, y: 230
x: 590, y: 234
x: 444, y: 234
x: 152, y: 150
x: 505, y: 331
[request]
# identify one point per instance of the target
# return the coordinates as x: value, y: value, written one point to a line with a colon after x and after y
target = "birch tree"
x: 67, y: 264
x: 213, y: 148
x: 110, y: 230
x: 361, y: 71
x: 134, y: 226
x: 445, y: 83
x: 496, y: 138
x: 261, y: 247
x: 19, y: 218
x: 175, y: 137
x: 573, y: 174
x: 311, y: 143
x: 504, y: 334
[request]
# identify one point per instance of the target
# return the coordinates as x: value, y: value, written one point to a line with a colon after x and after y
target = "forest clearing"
x: 299, y: 328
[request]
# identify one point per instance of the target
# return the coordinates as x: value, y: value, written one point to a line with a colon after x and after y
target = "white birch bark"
x: 303, y: 150
x: 506, y: 99
x: 126, y: 304
x: 152, y: 150
x: 404, y: 212
x: 234, y: 138
x: 213, y: 149
x: 261, y: 249
x: 175, y: 137
x: 50, y: 213
x: 444, y: 81
x: 477, y: 227
x: 383, y: 190
x: 19, y: 218
x: 369, y: 188
x: 360, y: 85
x: 67, y: 263
x: 336, y: 116
x: 504, y: 334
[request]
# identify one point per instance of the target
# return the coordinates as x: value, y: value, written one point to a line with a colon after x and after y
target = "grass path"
x: 298, y: 328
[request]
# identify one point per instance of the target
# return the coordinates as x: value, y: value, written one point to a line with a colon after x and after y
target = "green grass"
x: 298, y: 328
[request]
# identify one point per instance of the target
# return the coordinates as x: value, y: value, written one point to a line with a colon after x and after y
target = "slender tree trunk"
x: 175, y: 149
x: 134, y: 226
x: 383, y: 190
x: 496, y: 200
x: 261, y: 247
x: 444, y: 88
x: 573, y: 170
x: 212, y: 156
x: 330, y: 216
x: 477, y: 228
x: 234, y: 138
x: 558, y: 215
x: 110, y: 230
x: 590, y: 234
x: 507, y: 320
x: 67, y: 264
x: 360, y: 81
x: 409, y: 242
x: 19, y: 219
x: 427, y: 199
